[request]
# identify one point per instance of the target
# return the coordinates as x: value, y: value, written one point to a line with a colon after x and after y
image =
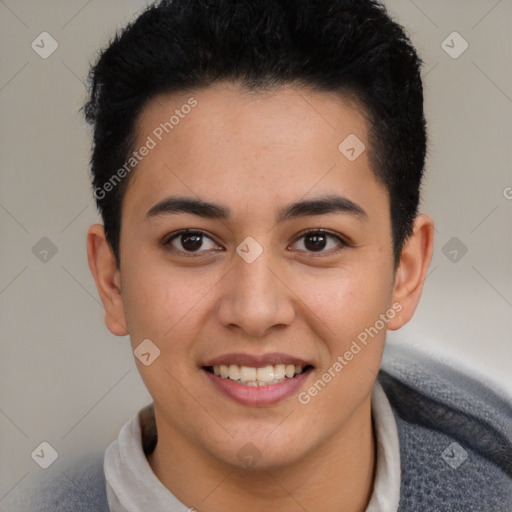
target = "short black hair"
x: 352, y: 47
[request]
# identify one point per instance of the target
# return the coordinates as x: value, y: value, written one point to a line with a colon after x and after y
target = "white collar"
x: 133, y: 487
x: 386, y: 489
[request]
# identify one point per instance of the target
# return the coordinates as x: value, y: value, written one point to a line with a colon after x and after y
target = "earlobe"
x: 107, y: 277
x: 412, y: 269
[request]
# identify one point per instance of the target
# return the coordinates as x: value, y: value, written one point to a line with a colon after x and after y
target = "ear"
x: 103, y: 267
x: 412, y: 270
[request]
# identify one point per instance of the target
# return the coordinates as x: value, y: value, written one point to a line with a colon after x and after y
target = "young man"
x: 257, y: 166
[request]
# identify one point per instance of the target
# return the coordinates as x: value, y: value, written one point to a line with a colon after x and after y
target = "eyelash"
x: 166, y: 242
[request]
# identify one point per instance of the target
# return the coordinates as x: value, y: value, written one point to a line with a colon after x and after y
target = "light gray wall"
x: 64, y: 378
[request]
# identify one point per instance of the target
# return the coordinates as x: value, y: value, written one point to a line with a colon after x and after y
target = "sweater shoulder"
x: 79, y: 487
x: 454, y: 432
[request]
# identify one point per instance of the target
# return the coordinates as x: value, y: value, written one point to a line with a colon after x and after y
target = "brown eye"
x: 189, y: 241
x: 318, y: 241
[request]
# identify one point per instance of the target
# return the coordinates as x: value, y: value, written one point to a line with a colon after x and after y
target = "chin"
x: 261, y: 453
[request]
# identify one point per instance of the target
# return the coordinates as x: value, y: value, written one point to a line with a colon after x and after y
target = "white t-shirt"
x: 133, y: 487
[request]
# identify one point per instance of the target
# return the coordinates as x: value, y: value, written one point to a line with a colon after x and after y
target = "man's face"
x: 253, y: 288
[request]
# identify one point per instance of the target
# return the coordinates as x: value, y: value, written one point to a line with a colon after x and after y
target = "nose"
x: 256, y: 297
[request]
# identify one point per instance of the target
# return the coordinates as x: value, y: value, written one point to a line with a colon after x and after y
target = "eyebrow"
x: 318, y: 206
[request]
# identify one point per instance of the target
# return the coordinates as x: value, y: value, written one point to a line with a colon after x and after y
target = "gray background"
x: 64, y: 378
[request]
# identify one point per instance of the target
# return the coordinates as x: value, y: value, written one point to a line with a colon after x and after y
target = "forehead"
x: 251, y: 146
x: 282, y: 115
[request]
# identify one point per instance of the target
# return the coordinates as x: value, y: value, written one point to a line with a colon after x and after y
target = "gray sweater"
x: 455, y: 444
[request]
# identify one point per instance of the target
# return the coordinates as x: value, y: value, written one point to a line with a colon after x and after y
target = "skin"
x: 256, y: 153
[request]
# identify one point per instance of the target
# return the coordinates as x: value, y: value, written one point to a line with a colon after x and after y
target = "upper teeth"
x: 252, y: 376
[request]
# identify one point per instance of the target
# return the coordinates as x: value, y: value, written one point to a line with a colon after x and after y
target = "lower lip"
x: 257, y: 396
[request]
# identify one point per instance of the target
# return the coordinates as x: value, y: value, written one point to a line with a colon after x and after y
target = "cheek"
x: 164, y: 306
x: 165, y: 303
x: 346, y: 301
x: 148, y: 303
x: 348, y: 310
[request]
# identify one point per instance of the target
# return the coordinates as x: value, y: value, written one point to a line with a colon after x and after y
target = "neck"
x: 338, y: 474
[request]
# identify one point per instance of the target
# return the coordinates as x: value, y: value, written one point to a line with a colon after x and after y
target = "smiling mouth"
x: 262, y: 376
